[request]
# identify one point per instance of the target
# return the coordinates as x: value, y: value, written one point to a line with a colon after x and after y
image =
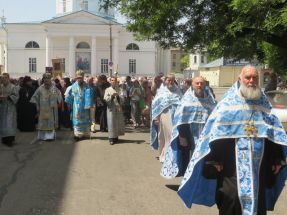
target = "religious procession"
x: 231, y: 152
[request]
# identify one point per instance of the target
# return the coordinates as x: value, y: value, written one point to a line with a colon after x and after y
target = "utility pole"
x: 111, y: 52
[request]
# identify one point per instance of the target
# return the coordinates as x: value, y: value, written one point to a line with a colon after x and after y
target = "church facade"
x: 82, y: 35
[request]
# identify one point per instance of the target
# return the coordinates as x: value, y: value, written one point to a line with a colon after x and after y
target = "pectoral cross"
x: 250, y: 129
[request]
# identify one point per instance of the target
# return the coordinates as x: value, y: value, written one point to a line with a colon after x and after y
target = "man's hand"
x: 156, y: 121
x: 115, y: 94
x: 218, y: 167
x: 276, y: 169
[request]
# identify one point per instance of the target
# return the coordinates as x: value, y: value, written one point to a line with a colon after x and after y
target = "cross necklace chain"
x: 249, y: 127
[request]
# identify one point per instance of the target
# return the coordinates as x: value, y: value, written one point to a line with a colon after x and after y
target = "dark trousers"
x: 186, y: 151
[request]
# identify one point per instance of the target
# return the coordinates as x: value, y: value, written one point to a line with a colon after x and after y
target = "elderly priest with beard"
x: 238, y: 161
x: 163, y: 107
x: 189, y: 119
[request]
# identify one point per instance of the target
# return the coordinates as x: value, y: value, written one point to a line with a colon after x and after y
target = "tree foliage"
x: 231, y: 28
x: 185, y: 60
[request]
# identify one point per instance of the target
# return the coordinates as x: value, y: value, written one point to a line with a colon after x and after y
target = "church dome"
x: 93, y: 6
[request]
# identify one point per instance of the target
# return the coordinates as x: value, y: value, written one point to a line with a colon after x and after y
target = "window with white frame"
x: 32, y: 65
x: 202, y: 58
x: 132, y: 46
x: 86, y: 5
x: 104, y: 65
x: 32, y: 45
x: 132, y: 66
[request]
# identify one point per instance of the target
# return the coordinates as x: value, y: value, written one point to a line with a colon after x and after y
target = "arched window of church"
x: 132, y: 46
x: 32, y: 45
x: 83, y: 45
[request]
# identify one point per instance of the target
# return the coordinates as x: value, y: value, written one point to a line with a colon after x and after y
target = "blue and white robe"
x: 81, y: 100
x: 228, y: 121
x: 164, y: 99
x: 193, y: 111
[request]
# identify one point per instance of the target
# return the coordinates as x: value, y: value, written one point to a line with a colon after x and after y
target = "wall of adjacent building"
x: 211, y: 75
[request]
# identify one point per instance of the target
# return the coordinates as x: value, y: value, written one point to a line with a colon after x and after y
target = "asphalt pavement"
x: 90, y: 177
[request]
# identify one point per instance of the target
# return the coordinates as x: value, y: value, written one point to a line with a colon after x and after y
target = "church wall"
x: 18, y: 55
x: 18, y: 62
x: 145, y: 63
x: 145, y: 57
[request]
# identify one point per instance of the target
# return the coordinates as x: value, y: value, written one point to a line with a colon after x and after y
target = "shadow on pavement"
x: 34, y: 174
x: 173, y: 187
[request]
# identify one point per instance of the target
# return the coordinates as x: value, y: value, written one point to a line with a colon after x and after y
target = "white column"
x: 72, y: 57
x: 94, y: 57
x: 1, y: 54
x: 6, y: 58
x: 115, y: 54
x: 48, y: 51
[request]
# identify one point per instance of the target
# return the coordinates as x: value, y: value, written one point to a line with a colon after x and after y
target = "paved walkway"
x: 90, y: 177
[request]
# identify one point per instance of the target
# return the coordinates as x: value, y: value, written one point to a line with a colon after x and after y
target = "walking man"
x: 238, y: 160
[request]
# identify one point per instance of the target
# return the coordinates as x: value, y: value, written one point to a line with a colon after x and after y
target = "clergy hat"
x: 26, y: 79
x: 80, y: 74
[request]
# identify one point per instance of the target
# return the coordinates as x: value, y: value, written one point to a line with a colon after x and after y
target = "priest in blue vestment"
x: 164, y: 104
x: 81, y: 100
x: 189, y: 119
x: 238, y: 162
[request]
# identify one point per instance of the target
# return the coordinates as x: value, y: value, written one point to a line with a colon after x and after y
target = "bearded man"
x: 47, y: 97
x: 164, y: 104
x: 8, y: 99
x: 238, y: 161
x: 80, y: 99
x: 115, y: 118
x: 189, y: 119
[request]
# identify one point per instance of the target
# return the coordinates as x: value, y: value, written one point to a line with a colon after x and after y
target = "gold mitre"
x: 80, y: 74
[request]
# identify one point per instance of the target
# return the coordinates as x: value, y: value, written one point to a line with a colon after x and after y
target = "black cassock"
x: 26, y: 111
x: 223, y: 153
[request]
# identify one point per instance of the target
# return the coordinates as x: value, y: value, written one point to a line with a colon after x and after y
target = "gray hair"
x: 246, y: 68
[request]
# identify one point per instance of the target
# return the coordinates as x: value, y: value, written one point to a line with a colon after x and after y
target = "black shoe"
x: 9, y: 144
x: 116, y: 139
x: 112, y: 142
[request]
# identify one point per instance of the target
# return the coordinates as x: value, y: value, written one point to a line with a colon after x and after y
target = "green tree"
x: 231, y: 28
x: 185, y: 60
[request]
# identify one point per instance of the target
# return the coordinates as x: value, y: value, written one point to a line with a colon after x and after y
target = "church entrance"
x: 83, y: 61
x: 83, y: 57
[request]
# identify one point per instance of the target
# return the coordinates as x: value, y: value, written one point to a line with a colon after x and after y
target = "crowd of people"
x: 230, y: 153
x: 53, y: 103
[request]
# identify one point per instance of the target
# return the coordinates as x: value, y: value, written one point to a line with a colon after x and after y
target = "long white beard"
x: 252, y: 93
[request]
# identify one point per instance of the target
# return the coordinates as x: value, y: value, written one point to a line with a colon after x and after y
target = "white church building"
x: 82, y: 35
